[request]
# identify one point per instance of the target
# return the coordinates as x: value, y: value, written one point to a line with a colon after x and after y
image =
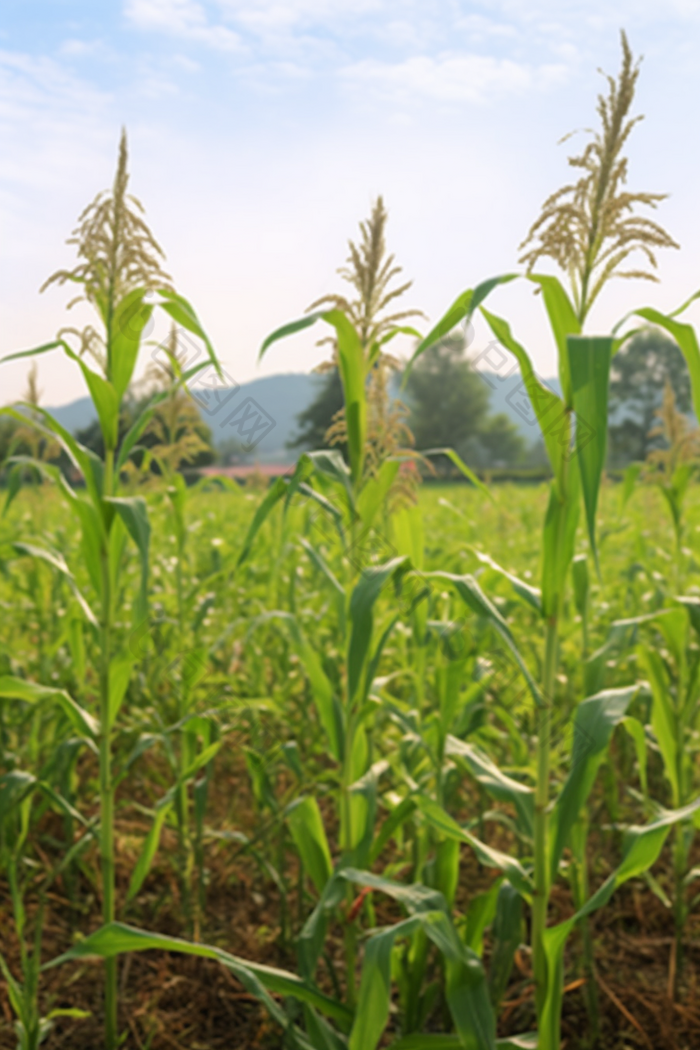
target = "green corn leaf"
x: 277, y: 491
x: 684, y: 335
x: 593, y: 727
x: 463, y: 307
x: 529, y: 594
x: 579, y: 575
x: 496, y: 783
x: 306, y: 827
x: 548, y: 407
x: 130, y: 317
x: 450, y: 678
x: 106, y: 401
x: 352, y: 367
x: 408, y: 534
x: 642, y: 846
x: 636, y: 731
x: 184, y: 314
x: 466, y: 990
x: 203, y: 759
x: 363, y: 802
x: 116, y: 938
x: 14, y: 787
x: 353, y: 373
x: 31, y: 693
x: 120, y: 669
x: 663, y: 716
x: 461, y: 466
x: 427, y: 1041
x: 329, y: 463
x: 364, y: 595
x: 397, y: 817
x: 471, y: 594
x: 288, y: 329
x: 506, y: 933
x: 375, y: 491
x: 135, y: 431
x: 57, y: 562
x: 375, y: 986
x: 480, y: 915
x: 34, y: 352
x: 14, y: 482
x: 150, y: 845
x: 589, y: 364
x: 447, y: 869
x: 85, y: 462
x: 692, y: 605
x: 492, y: 858
x: 563, y: 322
x: 559, y: 542
x: 134, y: 513
x: 323, y: 567
x: 328, y: 709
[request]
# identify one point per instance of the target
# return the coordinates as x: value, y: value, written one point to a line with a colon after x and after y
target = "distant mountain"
x: 271, y: 402
x: 267, y: 408
x: 75, y: 416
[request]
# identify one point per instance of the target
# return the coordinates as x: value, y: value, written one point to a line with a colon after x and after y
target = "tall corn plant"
x: 120, y: 275
x: 589, y: 229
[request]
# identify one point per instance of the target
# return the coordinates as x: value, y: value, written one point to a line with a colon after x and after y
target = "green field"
x: 220, y: 741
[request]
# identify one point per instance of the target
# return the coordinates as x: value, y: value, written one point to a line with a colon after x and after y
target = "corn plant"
x: 119, y: 271
x: 19, y: 790
x: 584, y: 229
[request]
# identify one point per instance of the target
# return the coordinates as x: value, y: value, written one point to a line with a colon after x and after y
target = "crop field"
x: 356, y: 758
x: 228, y: 795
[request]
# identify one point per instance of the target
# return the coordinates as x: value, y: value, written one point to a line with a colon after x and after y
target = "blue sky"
x: 260, y: 131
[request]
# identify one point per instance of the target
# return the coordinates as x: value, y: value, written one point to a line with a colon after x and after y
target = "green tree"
x: 639, y: 373
x: 449, y: 402
x: 502, y: 442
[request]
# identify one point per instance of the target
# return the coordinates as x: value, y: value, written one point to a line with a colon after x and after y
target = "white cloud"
x: 183, y: 18
x: 449, y: 78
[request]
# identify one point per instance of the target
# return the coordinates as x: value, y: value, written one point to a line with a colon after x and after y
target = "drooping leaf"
x: 550, y: 410
x: 463, y: 306
x: 492, y: 858
x: 12, y: 688
x: 116, y: 938
x: 524, y: 590
x: 475, y: 599
x: 57, y: 562
x: 501, y: 787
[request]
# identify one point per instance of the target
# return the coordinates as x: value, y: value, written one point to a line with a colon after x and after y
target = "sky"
x: 261, y: 131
